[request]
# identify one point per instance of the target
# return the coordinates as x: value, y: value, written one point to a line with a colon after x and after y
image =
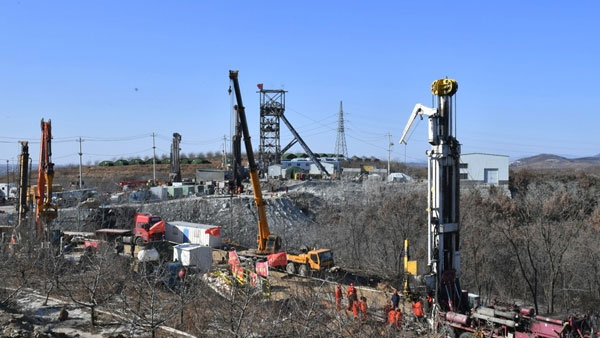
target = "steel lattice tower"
x: 272, y: 107
x: 340, y: 142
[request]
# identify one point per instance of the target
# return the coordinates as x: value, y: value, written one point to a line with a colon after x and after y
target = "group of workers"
x: 392, y: 309
x: 354, y: 304
x: 394, y: 313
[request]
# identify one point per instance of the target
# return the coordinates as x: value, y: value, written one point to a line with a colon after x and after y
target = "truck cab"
x: 320, y: 259
x: 148, y: 228
x: 313, y: 260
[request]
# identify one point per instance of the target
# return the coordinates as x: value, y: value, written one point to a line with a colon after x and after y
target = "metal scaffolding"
x: 341, y: 150
x: 272, y: 107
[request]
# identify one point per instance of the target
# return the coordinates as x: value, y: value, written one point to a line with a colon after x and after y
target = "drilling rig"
x: 455, y: 312
x: 23, y: 186
x: 45, y: 211
x: 175, y: 172
x: 443, y: 196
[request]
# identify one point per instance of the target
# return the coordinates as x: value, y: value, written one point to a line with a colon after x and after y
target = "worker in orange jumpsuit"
x: 391, y: 316
x: 363, y: 308
x: 355, y: 310
x: 338, y: 297
x: 398, y: 317
x: 351, y: 294
x: 417, y: 309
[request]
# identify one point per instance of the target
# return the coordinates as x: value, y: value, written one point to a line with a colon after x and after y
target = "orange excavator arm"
x: 45, y: 211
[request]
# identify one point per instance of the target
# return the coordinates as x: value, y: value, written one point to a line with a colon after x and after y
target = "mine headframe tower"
x: 272, y: 107
x: 442, y: 196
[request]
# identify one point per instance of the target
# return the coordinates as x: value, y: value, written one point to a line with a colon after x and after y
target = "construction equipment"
x: 267, y: 243
x: 410, y: 269
x: 315, y: 260
x: 23, y: 184
x: 455, y: 311
x: 272, y: 109
x: 147, y: 228
x: 45, y: 211
x: 175, y: 172
x: 443, y: 196
x: 235, y: 184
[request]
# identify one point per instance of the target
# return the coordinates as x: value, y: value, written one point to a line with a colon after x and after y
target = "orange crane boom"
x: 267, y: 242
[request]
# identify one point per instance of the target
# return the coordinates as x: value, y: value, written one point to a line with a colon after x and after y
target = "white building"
x: 479, y: 168
x: 330, y: 164
x: 194, y: 233
x: 194, y: 255
x: 10, y: 192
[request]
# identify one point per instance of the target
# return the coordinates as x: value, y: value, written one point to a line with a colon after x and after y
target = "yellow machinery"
x: 316, y: 259
x: 410, y: 269
x: 267, y: 243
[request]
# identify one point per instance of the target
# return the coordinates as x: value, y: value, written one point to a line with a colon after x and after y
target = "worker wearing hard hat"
x: 351, y: 294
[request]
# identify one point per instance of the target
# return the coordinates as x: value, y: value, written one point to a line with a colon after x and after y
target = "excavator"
x: 45, y: 211
x: 268, y: 243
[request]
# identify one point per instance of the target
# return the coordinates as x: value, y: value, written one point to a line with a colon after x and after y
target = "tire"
x: 466, y: 335
x: 303, y: 270
x: 290, y: 268
x: 139, y: 241
x: 447, y: 332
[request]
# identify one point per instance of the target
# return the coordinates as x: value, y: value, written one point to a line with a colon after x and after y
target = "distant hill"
x: 550, y: 161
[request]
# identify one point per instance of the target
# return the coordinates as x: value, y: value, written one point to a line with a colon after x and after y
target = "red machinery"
x: 45, y: 211
x: 147, y: 228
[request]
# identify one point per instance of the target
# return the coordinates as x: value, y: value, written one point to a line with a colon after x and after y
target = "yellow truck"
x: 309, y: 260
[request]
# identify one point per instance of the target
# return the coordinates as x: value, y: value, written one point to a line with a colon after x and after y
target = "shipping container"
x: 194, y: 233
x: 194, y: 255
x: 158, y: 193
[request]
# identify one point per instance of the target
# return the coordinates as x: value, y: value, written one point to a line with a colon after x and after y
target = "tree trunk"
x: 48, y: 295
x: 93, y: 315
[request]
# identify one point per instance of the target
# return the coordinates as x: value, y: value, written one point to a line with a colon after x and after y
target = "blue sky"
x: 527, y: 73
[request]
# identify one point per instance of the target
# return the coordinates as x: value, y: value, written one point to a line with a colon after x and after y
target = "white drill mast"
x: 443, y: 195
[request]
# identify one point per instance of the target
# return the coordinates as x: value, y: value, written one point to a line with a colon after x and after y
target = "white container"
x: 148, y: 255
x: 194, y: 233
x: 194, y: 255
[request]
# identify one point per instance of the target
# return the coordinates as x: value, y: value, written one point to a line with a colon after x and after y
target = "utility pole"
x: 80, y: 165
x: 7, y: 182
x: 390, y: 144
x: 153, y: 160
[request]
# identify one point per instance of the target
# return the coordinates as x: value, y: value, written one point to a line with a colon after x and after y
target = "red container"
x: 526, y: 311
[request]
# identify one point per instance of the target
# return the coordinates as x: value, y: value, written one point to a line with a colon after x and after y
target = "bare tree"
x: 100, y: 277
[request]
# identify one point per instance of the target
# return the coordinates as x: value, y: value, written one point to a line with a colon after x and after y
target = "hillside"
x: 550, y: 161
